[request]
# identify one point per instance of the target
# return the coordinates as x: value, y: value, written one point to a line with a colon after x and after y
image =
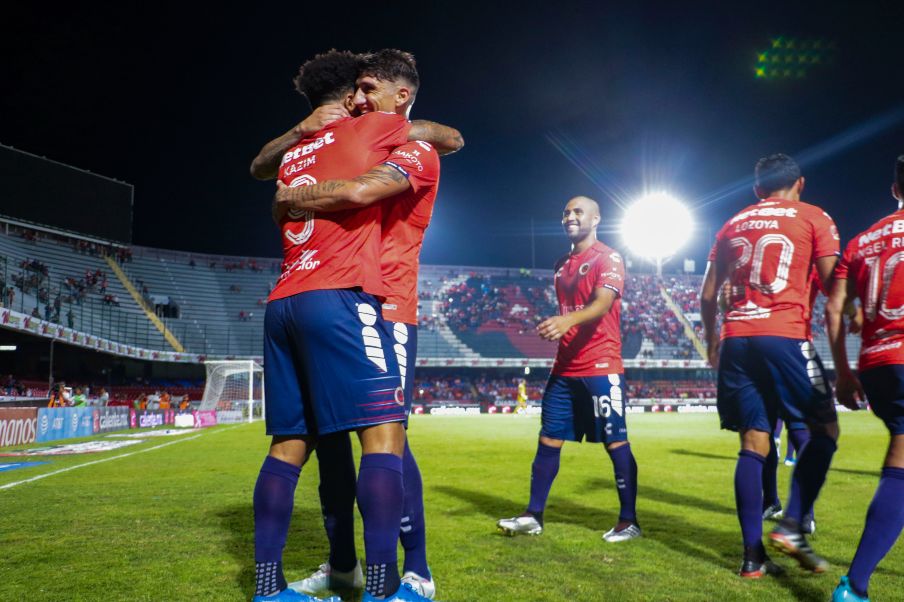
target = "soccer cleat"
x: 773, y: 512
x: 289, y: 595
x: 755, y: 569
x: 405, y: 593
x: 808, y: 525
x: 325, y: 579
x: 632, y: 531
x: 424, y: 587
x: 788, y: 539
x: 520, y: 525
x: 845, y: 593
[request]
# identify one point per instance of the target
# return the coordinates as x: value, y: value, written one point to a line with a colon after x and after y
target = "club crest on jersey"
x: 301, y: 215
x: 585, y: 267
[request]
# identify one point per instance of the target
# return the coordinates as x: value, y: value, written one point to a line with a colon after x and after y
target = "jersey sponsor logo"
x: 765, y: 212
x: 615, y: 257
x: 373, y: 345
x: 413, y: 157
x: 424, y: 145
x: 305, y: 262
x: 750, y: 311
x: 881, y: 347
x: 307, y: 149
x: 895, y: 227
x: 301, y: 215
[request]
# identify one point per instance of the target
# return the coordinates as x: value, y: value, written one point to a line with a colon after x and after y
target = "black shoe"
x: 757, y: 565
x: 773, y: 512
x: 787, y: 538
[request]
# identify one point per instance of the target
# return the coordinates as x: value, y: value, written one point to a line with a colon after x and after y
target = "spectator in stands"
x: 35, y: 313
x: 70, y: 319
x: 57, y: 396
x: 185, y: 404
x: 79, y: 399
x: 165, y: 401
x: 103, y: 398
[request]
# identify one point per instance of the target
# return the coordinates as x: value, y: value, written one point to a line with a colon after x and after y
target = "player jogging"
x: 585, y: 395
x: 766, y: 366
x: 870, y: 271
x: 328, y: 360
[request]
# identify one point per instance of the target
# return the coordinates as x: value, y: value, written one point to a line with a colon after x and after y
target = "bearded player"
x: 871, y: 272
x: 328, y: 357
x: 388, y: 82
x: 766, y: 366
x: 585, y: 395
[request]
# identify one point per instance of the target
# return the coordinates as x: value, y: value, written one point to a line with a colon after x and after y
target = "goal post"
x: 234, y: 385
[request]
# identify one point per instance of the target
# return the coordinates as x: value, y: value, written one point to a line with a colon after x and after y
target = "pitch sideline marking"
x: 140, y: 451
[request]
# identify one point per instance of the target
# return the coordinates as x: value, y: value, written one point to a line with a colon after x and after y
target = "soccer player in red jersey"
x: 870, y: 271
x: 408, y: 181
x: 586, y: 392
x: 325, y: 364
x: 767, y: 368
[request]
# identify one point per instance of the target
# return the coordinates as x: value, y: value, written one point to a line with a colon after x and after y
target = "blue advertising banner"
x: 111, y: 419
x: 64, y: 423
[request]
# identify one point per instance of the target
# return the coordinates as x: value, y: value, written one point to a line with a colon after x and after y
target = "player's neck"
x: 784, y: 195
x: 582, y: 245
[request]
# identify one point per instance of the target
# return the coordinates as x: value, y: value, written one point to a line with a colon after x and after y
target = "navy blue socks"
x: 380, y: 498
x: 749, y: 496
x: 625, y: 481
x: 274, y: 497
x: 884, y: 522
x: 543, y: 473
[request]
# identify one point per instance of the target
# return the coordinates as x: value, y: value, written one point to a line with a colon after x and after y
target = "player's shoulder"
x: 811, y: 210
x: 605, y: 252
x: 377, y: 120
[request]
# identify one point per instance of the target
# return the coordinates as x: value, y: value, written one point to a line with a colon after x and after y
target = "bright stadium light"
x: 656, y: 227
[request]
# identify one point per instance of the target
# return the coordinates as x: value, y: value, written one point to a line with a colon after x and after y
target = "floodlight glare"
x: 656, y: 226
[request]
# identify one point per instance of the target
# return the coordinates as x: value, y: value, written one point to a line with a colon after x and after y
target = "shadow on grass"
x: 713, y: 546
x: 687, y: 452
x: 306, y: 546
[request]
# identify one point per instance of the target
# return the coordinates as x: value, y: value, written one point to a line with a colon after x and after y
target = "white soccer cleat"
x: 632, y: 531
x: 325, y: 579
x: 520, y: 525
x: 423, y: 587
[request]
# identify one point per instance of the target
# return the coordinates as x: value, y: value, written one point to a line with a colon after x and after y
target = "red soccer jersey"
x: 339, y: 249
x: 872, y: 259
x: 592, y: 348
x: 770, y: 249
x: 405, y: 219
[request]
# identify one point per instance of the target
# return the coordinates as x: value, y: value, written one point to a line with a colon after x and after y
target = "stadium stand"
x: 214, y: 305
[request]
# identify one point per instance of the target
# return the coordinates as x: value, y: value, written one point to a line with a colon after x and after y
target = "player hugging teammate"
x: 356, y: 186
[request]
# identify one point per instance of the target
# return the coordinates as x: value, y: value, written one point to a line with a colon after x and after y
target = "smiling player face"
x: 374, y: 94
x: 580, y: 218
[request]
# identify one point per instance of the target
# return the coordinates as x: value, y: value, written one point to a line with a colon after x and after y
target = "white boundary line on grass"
x: 140, y: 451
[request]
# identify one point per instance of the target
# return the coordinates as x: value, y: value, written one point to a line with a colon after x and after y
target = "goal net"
x: 236, y: 385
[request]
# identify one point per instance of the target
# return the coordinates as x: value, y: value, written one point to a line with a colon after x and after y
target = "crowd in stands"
x: 483, y: 300
x: 672, y: 389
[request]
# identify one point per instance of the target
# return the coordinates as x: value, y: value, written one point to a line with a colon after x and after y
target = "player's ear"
x: 800, y: 184
x: 896, y: 192
x: 758, y: 192
x: 403, y: 95
x: 349, y: 102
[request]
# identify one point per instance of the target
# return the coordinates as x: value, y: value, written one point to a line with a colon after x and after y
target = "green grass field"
x: 175, y: 523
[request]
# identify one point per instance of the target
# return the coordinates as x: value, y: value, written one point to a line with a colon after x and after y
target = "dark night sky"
x: 177, y: 102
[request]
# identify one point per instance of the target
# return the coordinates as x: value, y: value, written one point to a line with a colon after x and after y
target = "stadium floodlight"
x: 656, y: 227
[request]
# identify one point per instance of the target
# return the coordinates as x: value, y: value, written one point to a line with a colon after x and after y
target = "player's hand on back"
x: 320, y: 117
x: 848, y: 390
x: 554, y: 328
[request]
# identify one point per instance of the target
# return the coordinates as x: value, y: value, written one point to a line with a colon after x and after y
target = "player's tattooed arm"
x: 712, y: 282
x: 445, y: 139
x: 848, y: 389
x: 265, y: 165
x: 554, y: 328
x: 336, y: 195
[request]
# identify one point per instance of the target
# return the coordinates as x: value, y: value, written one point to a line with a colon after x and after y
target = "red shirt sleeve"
x: 826, y: 240
x: 843, y: 267
x: 418, y: 161
x: 382, y: 131
x: 611, y: 273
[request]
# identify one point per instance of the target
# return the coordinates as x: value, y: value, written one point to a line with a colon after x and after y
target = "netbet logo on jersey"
x: 307, y: 149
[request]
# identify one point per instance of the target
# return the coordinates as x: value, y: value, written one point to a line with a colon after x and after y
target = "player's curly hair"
x: 776, y: 172
x: 390, y: 64
x: 328, y: 76
x: 899, y: 174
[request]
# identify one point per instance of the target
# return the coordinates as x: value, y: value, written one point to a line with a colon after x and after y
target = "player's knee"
x: 292, y: 450
x: 615, y: 445
x: 895, y: 456
x: 548, y: 442
x: 387, y: 438
x: 756, y: 441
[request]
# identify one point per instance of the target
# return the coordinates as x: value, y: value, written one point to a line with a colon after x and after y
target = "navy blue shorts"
x: 329, y: 364
x: 575, y: 407
x: 764, y: 378
x: 884, y: 388
x: 404, y: 343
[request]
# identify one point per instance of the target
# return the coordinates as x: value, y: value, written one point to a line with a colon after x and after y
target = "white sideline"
x: 140, y: 451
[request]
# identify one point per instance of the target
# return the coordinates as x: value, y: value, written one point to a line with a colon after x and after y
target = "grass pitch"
x: 175, y: 523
